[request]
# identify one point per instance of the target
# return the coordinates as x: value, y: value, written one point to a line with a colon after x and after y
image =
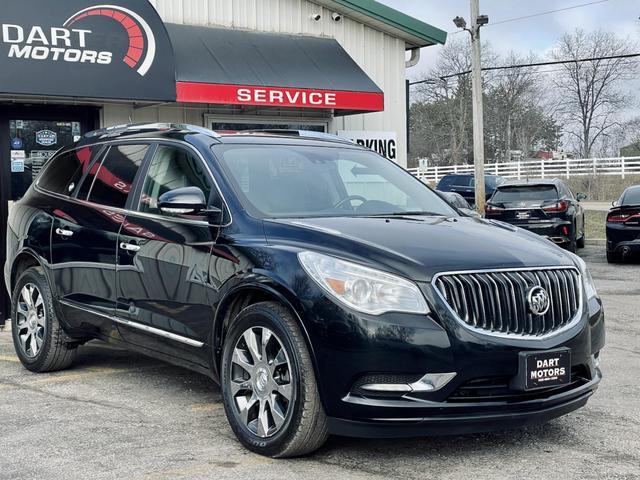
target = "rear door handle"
x: 64, y: 232
x: 130, y: 247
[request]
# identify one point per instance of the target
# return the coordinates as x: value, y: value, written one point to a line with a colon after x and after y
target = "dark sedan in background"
x: 464, y: 185
x: 623, y: 226
x: 458, y: 201
x: 545, y: 207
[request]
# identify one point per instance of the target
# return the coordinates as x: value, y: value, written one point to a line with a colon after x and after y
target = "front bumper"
x: 398, y: 347
x: 471, y: 418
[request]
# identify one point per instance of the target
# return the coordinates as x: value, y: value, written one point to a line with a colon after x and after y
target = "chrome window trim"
x: 139, y: 326
x: 144, y: 214
x: 487, y: 333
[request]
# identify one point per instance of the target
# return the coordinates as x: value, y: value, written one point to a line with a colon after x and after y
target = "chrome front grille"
x: 495, y: 301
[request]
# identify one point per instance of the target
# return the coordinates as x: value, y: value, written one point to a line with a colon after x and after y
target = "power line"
x: 528, y: 65
x: 539, y: 14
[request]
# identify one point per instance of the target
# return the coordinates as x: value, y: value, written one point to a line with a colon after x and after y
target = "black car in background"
x: 545, y: 207
x: 458, y: 201
x: 326, y: 289
x: 623, y: 226
x: 464, y: 184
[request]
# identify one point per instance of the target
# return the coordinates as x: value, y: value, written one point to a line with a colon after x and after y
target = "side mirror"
x: 581, y: 196
x: 614, y: 203
x: 184, y: 200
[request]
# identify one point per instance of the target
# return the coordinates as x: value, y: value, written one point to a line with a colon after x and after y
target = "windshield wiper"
x: 407, y: 214
x: 403, y: 215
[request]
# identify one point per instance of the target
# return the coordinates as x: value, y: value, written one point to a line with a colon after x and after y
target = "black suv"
x: 326, y: 289
x: 545, y: 207
x: 623, y: 226
x: 464, y: 185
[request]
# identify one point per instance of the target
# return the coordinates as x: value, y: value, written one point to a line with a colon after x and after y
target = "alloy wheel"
x: 31, y: 320
x: 261, y: 381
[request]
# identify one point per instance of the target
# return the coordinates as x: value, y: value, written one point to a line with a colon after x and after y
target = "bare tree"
x: 450, y: 100
x: 589, y: 94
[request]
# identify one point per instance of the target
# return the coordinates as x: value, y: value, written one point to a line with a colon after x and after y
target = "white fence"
x: 567, y: 168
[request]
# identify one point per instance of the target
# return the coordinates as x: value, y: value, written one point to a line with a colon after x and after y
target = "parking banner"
x: 383, y: 143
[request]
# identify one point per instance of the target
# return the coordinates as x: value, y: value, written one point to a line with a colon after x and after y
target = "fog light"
x: 428, y: 383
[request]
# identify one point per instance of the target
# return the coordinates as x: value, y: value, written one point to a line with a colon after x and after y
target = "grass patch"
x: 594, y: 224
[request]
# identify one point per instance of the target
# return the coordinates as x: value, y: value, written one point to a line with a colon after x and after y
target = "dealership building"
x: 67, y: 67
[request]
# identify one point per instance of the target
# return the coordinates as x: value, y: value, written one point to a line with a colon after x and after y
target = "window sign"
x: 17, y: 161
x: 46, y: 138
x: 16, y: 143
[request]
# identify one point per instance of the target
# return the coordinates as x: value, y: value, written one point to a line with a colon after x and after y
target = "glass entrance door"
x: 33, y: 142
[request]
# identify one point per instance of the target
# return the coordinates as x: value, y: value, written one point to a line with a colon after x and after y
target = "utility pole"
x: 477, y: 21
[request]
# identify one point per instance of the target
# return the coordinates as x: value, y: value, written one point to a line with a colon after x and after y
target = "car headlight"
x: 587, y: 279
x: 363, y: 289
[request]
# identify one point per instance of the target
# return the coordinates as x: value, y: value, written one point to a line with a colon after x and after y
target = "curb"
x: 596, y: 241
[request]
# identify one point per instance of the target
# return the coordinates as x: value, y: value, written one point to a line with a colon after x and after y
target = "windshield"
x: 527, y: 193
x: 276, y: 181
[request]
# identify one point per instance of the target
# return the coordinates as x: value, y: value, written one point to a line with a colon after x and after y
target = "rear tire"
x: 582, y: 240
x: 572, y: 245
x: 269, y: 389
x: 38, y: 338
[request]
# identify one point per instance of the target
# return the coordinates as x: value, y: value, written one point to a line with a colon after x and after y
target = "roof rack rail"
x: 300, y: 133
x: 116, y: 130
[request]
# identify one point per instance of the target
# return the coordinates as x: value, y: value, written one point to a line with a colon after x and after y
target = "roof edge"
x: 416, y: 29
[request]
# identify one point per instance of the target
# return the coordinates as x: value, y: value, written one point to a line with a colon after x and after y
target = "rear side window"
x: 445, y: 181
x: 491, y: 181
x: 463, y: 181
x: 113, y: 180
x: 64, y: 172
x: 525, y: 193
x: 631, y: 197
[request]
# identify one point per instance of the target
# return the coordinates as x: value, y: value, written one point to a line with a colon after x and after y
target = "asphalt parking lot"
x: 120, y: 415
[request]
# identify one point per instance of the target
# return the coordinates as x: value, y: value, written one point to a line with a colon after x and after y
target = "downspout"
x: 412, y: 62
x: 414, y: 59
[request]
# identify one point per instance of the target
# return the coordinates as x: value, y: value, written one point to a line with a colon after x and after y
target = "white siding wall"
x: 380, y: 55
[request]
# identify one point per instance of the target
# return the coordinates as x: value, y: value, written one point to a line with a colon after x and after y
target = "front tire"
x: 38, y: 337
x: 268, y: 382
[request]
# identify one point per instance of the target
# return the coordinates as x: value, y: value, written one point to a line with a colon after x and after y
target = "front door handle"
x: 64, y: 232
x: 130, y: 247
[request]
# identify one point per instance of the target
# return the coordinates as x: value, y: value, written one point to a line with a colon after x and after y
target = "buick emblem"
x: 538, y: 300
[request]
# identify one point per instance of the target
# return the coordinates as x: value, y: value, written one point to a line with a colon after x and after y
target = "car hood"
x: 419, y: 247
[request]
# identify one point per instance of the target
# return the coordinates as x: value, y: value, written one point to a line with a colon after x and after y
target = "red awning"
x: 234, y: 67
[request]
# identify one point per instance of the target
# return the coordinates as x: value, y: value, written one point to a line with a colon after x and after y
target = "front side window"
x: 172, y: 168
x: 63, y: 173
x: 113, y: 180
x: 274, y: 181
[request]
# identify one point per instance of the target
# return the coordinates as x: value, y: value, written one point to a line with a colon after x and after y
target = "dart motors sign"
x: 85, y: 49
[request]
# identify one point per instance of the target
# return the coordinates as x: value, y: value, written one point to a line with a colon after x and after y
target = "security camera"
x: 336, y: 17
x: 459, y: 22
x: 482, y: 20
x: 316, y: 17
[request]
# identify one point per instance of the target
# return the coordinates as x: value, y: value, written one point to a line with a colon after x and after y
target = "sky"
x: 537, y: 34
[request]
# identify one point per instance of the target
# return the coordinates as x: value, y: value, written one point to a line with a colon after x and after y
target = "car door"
x: 577, y: 209
x: 85, y: 233
x: 163, y: 261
